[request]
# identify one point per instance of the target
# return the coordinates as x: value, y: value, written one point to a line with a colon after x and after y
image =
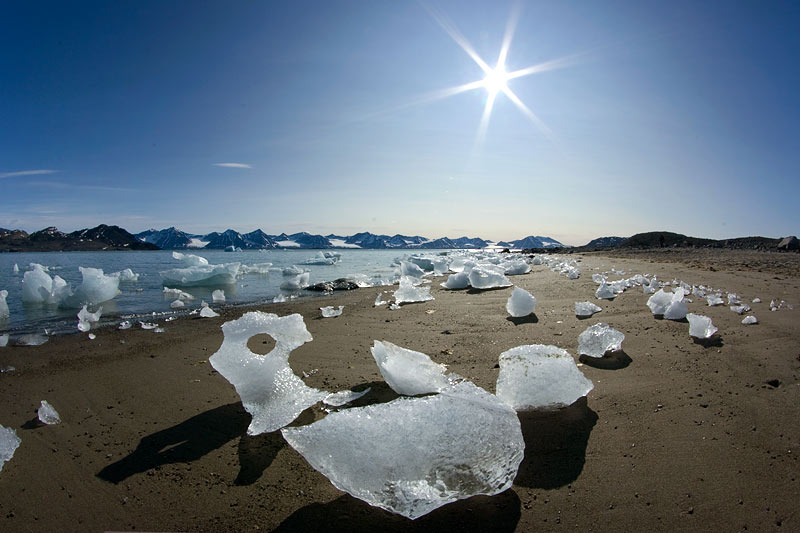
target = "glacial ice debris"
x: 733, y: 299
x: 269, y: 390
x: 586, y: 309
x: 323, y: 258
x: 257, y: 268
x: 126, y: 275
x: 409, y: 372
x: 39, y: 288
x: 408, y: 293
x: 485, y: 276
x: 15, y: 269
x: 4, y: 313
x: 338, y: 399
x: 218, y: 296
x: 85, y: 318
x: 47, y: 414
x: 700, y: 326
x: 177, y: 304
x: 279, y: 298
x: 740, y: 309
x: 521, y: 303
x: 330, y: 311
x: 293, y: 270
x: 599, y: 339
x: 197, y: 272
x: 413, y: 455
x: 95, y: 288
x: 459, y: 280
x: 750, y: 319
x: 125, y: 324
x: 539, y: 376
x: 9, y: 442
x: 668, y: 304
x: 411, y: 269
x: 190, y: 260
x: 4, y: 340
x: 516, y: 267
x: 714, y: 299
x: 31, y: 339
x: 379, y: 301
x: 207, y: 312
x: 300, y: 281
x: 605, y: 292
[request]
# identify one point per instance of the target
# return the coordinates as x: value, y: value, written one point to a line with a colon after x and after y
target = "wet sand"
x: 675, y: 435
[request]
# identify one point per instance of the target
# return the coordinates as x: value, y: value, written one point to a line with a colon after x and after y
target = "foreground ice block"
x: 585, y: 309
x: 538, y: 376
x: 47, y: 414
x: 330, y: 311
x: 670, y: 305
x: 9, y: 442
x: 269, y: 390
x: 3, y: 305
x: 596, y: 340
x: 700, y: 326
x: 520, y: 303
x: 459, y: 280
x: 409, y: 372
x: 413, y: 455
x: 488, y: 277
x: 408, y: 293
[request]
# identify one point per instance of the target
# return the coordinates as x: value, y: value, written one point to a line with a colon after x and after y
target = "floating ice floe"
x: 411, y: 269
x: 750, y: 319
x: 218, y: 296
x: 15, y: 269
x: 409, y: 372
x: 408, y: 293
x: 413, y: 455
x: 9, y: 442
x: 520, y: 303
x: 269, y: 390
x: 47, y: 414
x: 257, y: 268
x: 338, y: 399
x: 127, y: 275
x: 85, y: 318
x: 600, y: 339
x: 207, y: 312
x: 740, y: 309
x: 293, y: 270
x: 323, y: 258
x: 300, y: 281
x: 3, y: 305
x: 539, y: 376
x: 199, y: 273
x: 95, y: 288
x: 39, y: 288
x: 177, y: 304
x: 586, y: 309
x: 330, y: 311
x: 700, y: 326
x: 486, y: 276
x: 459, y: 280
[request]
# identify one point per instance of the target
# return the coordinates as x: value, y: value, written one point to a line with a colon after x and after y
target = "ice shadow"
x: 713, y: 342
x: 33, y: 423
x: 611, y: 361
x: 194, y: 438
x: 555, y: 445
x: 472, y: 290
x: 497, y: 513
x: 527, y: 319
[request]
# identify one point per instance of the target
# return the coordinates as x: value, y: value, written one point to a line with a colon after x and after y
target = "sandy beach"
x: 676, y: 435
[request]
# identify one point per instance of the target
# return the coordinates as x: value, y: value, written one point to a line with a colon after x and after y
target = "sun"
x: 496, y: 80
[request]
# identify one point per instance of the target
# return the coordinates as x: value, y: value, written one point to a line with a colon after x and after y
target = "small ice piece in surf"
x: 15, y: 269
x: 379, y: 301
x: 338, y: 399
x: 605, y: 292
x: 218, y: 296
x: 3, y: 305
x: 485, y: 276
x: 125, y: 324
x: 85, y: 318
x: 413, y: 455
x: 520, y: 303
x: 750, y: 319
x: 330, y: 311
x: 459, y: 280
x: 4, y: 340
x: 207, y: 312
x: 408, y: 293
x: 700, y: 326
x: 293, y: 270
x: 31, y: 339
x: 586, y: 309
x: 177, y: 304
x: 740, y: 309
x: 600, y: 339
x: 148, y: 325
x: 47, y: 414
x: 280, y: 298
x: 301, y: 281
x: 714, y: 299
x: 409, y: 372
x: 9, y: 442
x: 272, y: 394
x: 538, y: 376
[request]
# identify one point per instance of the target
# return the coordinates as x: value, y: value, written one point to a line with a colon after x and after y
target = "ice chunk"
x: 740, y: 309
x: 714, y: 299
x: 411, y: 269
x: 298, y: 282
x: 676, y: 309
x: 92, y: 336
x: 4, y: 340
x: 126, y: 275
x: 9, y: 442
x: 409, y: 372
x: 700, y: 326
x: 31, y: 339
x: 148, y: 325
x: 269, y: 390
x: 408, y: 293
x: 338, y: 399
x: 15, y: 269
x: 733, y: 299
x: 85, y: 318
x: 379, y: 301
x: 207, y: 312
x: 323, y: 258
x: 256, y: 268
x: 605, y: 292
x: 599, y: 339
x: 516, y: 267
x: 280, y: 298
x: 413, y: 455
x: 95, y: 288
x: 584, y: 309
x: 3, y: 305
x: 659, y: 302
x: 190, y: 260
x: 329, y: 311
x: 538, y: 376
x: 218, y: 296
x: 125, y: 324
x: 202, y: 275
x: 520, y: 303
x: 39, y: 288
x: 47, y: 414
x: 459, y: 280
x: 488, y: 277
x: 750, y: 319
x: 756, y: 300
x: 177, y: 304
x: 293, y: 270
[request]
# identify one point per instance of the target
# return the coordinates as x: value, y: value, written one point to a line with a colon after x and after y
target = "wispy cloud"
x: 61, y: 185
x: 26, y: 173
x: 232, y: 165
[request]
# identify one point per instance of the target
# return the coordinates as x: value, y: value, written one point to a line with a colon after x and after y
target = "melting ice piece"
x: 15, y: 269
x: 583, y: 309
x: 411, y: 269
x: 9, y: 442
x: 92, y: 336
x: 700, y: 326
x: 85, y: 318
x: 126, y: 275
x: 740, y: 309
x: 3, y: 305
x: 714, y: 299
x: 488, y: 277
x: 338, y: 399
x: 293, y: 270
x: 218, y: 296
x: 596, y: 340
x: 39, y: 287
x: 125, y: 324
x: 516, y: 267
x: 408, y: 293
x: 379, y: 301
x: 190, y: 260
x: 413, y: 455
x: 4, y: 340
x: 394, y: 306
x: 31, y: 339
x: 330, y: 311
x: 733, y: 299
x: 177, y: 304
x: 520, y: 303
x: 409, y: 372
x: 676, y: 310
x: 269, y: 390
x: 539, y: 376
x: 280, y: 298
x: 207, y: 312
x: 756, y: 300
x: 47, y: 414
x: 750, y: 319
x: 95, y: 288
x: 323, y: 258
x: 298, y: 282
x: 459, y: 280
x: 605, y: 292
x: 148, y: 325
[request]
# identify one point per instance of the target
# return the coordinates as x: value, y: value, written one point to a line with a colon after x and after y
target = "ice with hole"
x: 599, y: 339
x: 47, y: 414
x: 407, y: 292
x: 700, y: 326
x: 272, y: 394
x: 750, y: 319
x: 85, y: 318
x: 413, y: 455
x: 538, y: 376
x: 521, y: 303
x: 9, y: 442
x: 330, y: 311
x: 409, y: 372
x: 486, y: 276
x: 586, y: 309
x: 197, y: 272
x: 459, y: 280
x: 218, y: 296
x: 338, y: 399
x: 4, y: 313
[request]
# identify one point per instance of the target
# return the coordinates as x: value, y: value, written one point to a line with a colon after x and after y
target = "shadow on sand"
x: 528, y: 319
x: 612, y: 361
x: 713, y: 342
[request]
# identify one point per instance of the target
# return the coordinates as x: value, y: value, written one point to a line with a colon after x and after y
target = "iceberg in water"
x: 127, y: 275
x: 486, y: 276
x: 409, y: 372
x: 323, y: 258
x: 9, y: 442
x: 39, y: 288
x: 599, y: 339
x: 539, y: 376
x: 300, y: 281
x: 95, y: 288
x: 218, y: 296
x: 190, y: 260
x: 3, y: 305
x: 199, y: 273
x: 700, y: 326
x: 269, y: 390
x: 520, y: 303
x: 459, y: 280
x: 408, y: 293
x: 586, y: 309
x: 47, y: 414
x: 330, y: 311
x: 413, y: 455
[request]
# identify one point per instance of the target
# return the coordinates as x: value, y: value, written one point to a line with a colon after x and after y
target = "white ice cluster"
x: 3, y: 305
x: 599, y: 339
x: 486, y: 276
x: 197, y: 272
x: 39, y: 288
x: 670, y: 305
x: 323, y: 258
x: 408, y: 292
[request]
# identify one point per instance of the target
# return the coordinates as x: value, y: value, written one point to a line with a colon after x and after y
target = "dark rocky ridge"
x: 50, y: 239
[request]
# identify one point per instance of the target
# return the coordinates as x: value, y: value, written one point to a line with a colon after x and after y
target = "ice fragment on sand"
x: 9, y: 442
x: 750, y: 319
x: 584, y: 309
x: 379, y: 301
x: 516, y: 267
x: 676, y: 310
x: 733, y: 299
x: 280, y: 298
x: 413, y: 455
x: 92, y: 336
x: 488, y: 277
x: 411, y: 269
x: 269, y: 390
x: 409, y: 372
x: 125, y: 324
x: 740, y: 309
x: 330, y: 311
x: 596, y: 340
x: 338, y: 399
x: 394, y: 306
x: 3, y: 305
x: 31, y: 339
x: 408, y: 293
x: 520, y: 303
x: 85, y: 318
x: 605, y: 292
x: 207, y: 312
x: 539, y: 376
x: 47, y: 414
x: 459, y: 280
x: 700, y: 326
x: 756, y: 300
x: 148, y: 325
x: 4, y: 340
x: 714, y: 299
x: 218, y: 296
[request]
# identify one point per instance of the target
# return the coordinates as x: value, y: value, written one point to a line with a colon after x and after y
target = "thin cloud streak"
x: 62, y: 185
x: 26, y: 173
x: 232, y: 165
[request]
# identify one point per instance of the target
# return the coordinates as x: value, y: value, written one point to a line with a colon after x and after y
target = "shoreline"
x: 674, y: 435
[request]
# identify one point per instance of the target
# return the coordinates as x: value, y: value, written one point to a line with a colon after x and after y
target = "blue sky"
x: 678, y: 116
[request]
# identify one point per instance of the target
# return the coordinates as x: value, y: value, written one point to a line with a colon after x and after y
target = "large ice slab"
x: 485, y: 276
x: 413, y: 455
x: 539, y: 376
x: 199, y: 273
x: 409, y: 372
x: 39, y: 288
x: 586, y: 309
x: 9, y: 442
x: 47, y: 414
x: 700, y: 326
x: 520, y: 303
x: 269, y: 390
x: 599, y: 339
x: 408, y: 293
